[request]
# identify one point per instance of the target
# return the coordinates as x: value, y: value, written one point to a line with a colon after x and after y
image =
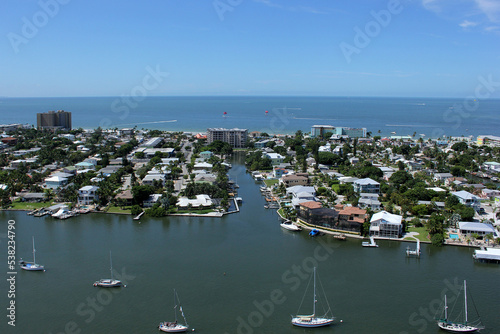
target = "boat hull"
x: 107, y: 283
x: 291, y: 227
x: 32, y: 267
x: 172, y: 327
x: 314, y: 322
x: 457, y: 328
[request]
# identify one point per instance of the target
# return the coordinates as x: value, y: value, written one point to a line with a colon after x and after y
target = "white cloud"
x: 466, y: 24
x: 490, y: 8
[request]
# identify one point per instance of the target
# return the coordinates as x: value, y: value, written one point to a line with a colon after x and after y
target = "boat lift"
x: 415, y: 252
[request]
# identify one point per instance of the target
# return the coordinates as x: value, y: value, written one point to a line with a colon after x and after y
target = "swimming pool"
x: 453, y: 236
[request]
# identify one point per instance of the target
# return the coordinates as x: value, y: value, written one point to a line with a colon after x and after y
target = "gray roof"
x: 478, y: 227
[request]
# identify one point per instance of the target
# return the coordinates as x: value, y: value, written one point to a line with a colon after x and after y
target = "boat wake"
x: 155, y: 122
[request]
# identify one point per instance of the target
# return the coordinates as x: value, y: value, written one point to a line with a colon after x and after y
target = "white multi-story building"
x: 386, y: 225
x: 87, y: 195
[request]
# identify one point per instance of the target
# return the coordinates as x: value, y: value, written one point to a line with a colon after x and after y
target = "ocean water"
x: 432, y: 117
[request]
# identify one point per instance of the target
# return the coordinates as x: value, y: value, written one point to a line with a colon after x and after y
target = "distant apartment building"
x: 321, y: 130
x: 54, y: 120
x: 236, y: 137
x: 488, y: 140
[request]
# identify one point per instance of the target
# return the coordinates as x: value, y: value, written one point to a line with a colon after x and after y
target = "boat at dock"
x: 370, y: 243
x: 288, y: 225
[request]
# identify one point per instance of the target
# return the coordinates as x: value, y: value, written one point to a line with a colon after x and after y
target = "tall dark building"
x: 52, y: 120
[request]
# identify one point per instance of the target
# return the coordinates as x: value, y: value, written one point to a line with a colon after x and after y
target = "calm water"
x: 430, y: 116
x: 224, y: 271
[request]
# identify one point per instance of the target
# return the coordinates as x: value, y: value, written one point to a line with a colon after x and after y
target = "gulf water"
x: 432, y: 117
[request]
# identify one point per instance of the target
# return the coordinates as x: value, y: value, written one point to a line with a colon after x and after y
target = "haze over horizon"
x: 391, y: 48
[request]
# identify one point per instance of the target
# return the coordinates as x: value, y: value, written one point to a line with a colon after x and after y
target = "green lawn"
x: 271, y: 182
x: 117, y: 209
x: 30, y: 206
x: 422, y: 233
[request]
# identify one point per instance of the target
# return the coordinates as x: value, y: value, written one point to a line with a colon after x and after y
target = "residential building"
x: 466, y: 198
x: 152, y: 200
x: 60, y: 120
x: 488, y: 140
x: 276, y: 158
x: 386, y: 225
x: 338, y: 131
x: 205, y: 155
x: 441, y: 177
x: 55, y: 182
x: 200, y: 201
x: 126, y: 196
x: 366, y: 185
x: 369, y: 201
x: 236, y: 137
x: 351, y: 219
x: 481, y: 229
x: 278, y: 172
x: 87, y: 195
x: 149, y: 179
x: 291, y: 180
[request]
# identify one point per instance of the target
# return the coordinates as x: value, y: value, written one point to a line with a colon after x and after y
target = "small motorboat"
x: 314, y: 233
x: 288, y: 225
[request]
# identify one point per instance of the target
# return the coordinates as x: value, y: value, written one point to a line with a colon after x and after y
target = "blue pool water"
x: 453, y: 236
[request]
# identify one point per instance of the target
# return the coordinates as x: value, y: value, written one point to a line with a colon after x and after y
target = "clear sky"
x: 424, y: 48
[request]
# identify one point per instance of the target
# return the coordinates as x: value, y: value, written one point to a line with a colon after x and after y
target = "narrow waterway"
x: 238, y: 274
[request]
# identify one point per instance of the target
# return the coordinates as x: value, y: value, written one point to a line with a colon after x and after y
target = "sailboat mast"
x: 445, y: 309
x: 111, y: 265
x: 175, y: 306
x: 314, y: 295
x: 34, y: 261
x: 465, y: 295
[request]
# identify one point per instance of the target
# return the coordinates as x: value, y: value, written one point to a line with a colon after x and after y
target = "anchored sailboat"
x: 313, y: 320
x: 174, y: 327
x: 109, y: 282
x: 464, y: 326
x: 31, y: 266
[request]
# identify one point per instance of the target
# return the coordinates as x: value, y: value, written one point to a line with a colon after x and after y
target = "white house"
x: 55, y: 182
x: 387, y: 225
x: 441, y: 177
x: 467, y: 198
x: 152, y: 200
x: 469, y: 228
x: 366, y: 185
x: 87, y: 195
x: 200, y: 201
x: 276, y: 158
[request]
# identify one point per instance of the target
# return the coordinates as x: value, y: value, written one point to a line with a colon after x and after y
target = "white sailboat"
x: 313, y: 320
x: 174, y: 327
x: 109, y: 282
x: 31, y: 266
x: 459, y: 326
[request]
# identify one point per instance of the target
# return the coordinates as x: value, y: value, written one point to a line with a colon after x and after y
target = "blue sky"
x: 424, y: 48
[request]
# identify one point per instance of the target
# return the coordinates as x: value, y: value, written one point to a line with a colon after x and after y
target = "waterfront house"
x: 314, y: 214
x: 203, y: 166
x: 87, y: 195
x: 201, y: 201
x: 301, y: 197
x: 33, y: 197
x: 366, y: 185
x: 481, y: 229
x: 468, y: 199
x: 350, y: 219
x: 152, y: 200
x: 126, y: 196
x: 386, y: 225
x: 298, y: 189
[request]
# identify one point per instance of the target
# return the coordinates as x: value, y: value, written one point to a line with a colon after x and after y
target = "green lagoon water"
x: 238, y: 274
